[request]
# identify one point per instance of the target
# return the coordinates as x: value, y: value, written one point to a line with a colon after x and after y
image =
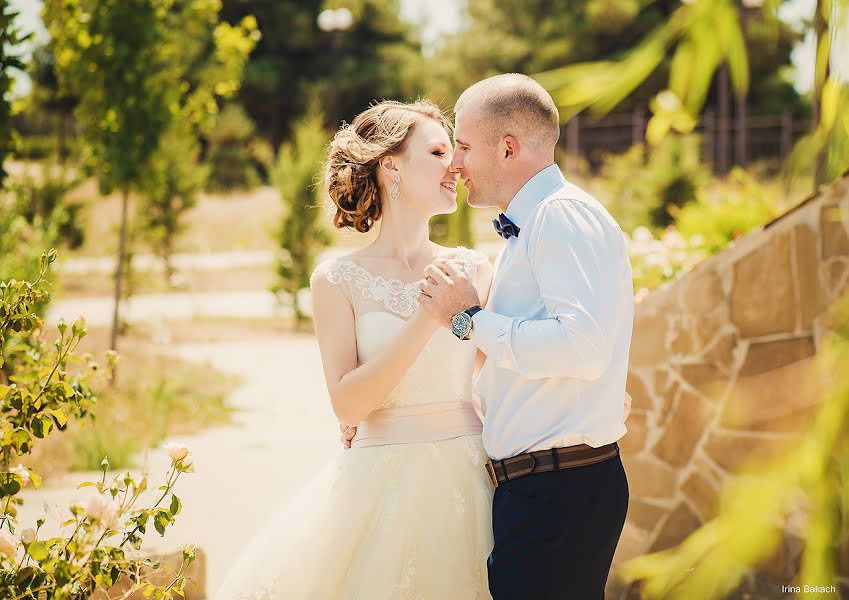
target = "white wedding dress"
x: 406, y: 512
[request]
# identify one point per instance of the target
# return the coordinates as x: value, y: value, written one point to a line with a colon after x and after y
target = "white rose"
x: 177, y: 451
x: 22, y: 471
x: 8, y: 544
x: 189, y: 463
x: 28, y: 535
x: 103, y: 508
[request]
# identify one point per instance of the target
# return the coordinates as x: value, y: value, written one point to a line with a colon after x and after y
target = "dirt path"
x: 284, y: 426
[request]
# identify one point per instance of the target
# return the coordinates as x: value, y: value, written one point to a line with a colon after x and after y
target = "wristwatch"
x: 461, y: 323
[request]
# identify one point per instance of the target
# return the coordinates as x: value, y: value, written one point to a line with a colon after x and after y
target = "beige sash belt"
x: 417, y: 424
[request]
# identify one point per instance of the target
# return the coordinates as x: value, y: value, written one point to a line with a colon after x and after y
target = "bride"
x: 406, y: 513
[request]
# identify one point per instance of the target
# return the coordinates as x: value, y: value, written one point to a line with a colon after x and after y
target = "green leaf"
x: 38, y: 551
x: 175, y: 504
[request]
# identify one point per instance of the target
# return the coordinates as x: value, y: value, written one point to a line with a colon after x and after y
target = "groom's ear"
x: 511, y: 147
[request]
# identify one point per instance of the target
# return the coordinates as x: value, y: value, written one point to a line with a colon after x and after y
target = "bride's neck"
x: 410, y: 246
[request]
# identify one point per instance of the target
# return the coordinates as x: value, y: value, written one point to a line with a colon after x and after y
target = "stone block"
x: 650, y: 478
x: 763, y: 301
x: 707, y: 378
x: 640, y: 397
x: 703, y: 293
x: 835, y: 241
x: 648, y: 340
x: 812, y: 296
x: 680, y: 523
x: 836, y: 271
x: 719, y: 351
x: 701, y: 494
x: 734, y: 451
x: 767, y: 356
x: 781, y: 400
x: 644, y: 514
x: 684, y: 429
x: 638, y: 430
x: 683, y: 341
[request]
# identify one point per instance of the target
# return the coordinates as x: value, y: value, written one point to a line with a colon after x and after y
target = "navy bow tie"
x: 505, y: 227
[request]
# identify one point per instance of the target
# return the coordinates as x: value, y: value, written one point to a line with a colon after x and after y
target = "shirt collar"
x: 532, y: 193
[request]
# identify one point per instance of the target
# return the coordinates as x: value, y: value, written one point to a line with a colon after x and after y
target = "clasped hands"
x: 444, y: 290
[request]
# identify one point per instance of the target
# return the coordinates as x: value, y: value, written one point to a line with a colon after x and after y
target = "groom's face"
x: 475, y: 159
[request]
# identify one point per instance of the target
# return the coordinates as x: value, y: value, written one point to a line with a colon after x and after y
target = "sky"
x: 438, y: 17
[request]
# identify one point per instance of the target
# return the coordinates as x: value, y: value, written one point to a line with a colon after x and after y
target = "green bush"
x: 20, y: 242
x: 44, y: 387
x: 728, y: 210
x: 234, y: 155
x: 302, y: 233
x: 644, y: 186
x: 43, y: 204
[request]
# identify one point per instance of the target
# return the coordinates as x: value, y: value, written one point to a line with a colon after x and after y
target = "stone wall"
x: 720, y: 371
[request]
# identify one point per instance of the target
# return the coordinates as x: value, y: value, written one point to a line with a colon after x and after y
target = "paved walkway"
x: 284, y: 425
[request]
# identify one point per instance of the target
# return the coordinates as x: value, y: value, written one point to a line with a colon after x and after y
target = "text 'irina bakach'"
x: 809, y: 589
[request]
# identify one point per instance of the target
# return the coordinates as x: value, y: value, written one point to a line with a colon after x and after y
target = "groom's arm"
x: 578, y: 260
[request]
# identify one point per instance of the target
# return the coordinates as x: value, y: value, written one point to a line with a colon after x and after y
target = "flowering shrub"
x: 657, y: 260
x: 39, y: 395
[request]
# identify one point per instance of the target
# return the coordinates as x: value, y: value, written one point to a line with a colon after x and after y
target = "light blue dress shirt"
x: 556, y: 329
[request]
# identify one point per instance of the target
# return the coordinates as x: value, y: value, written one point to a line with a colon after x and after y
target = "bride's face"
x: 427, y: 181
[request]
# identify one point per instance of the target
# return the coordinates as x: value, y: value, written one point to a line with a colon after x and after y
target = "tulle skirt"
x: 379, y: 523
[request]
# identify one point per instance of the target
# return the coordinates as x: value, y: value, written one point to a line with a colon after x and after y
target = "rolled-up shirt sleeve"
x: 577, y: 260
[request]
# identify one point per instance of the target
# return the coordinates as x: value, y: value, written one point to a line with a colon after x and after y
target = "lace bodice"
x: 443, y: 370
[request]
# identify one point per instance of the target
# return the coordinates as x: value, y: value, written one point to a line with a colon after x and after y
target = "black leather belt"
x: 544, y: 461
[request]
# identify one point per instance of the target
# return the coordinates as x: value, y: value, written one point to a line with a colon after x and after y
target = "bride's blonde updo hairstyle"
x: 351, y: 172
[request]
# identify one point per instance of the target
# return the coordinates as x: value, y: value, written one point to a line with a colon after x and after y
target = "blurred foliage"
x: 656, y: 260
x: 644, y: 184
x: 113, y: 55
x: 825, y: 151
x: 727, y: 210
x: 40, y: 199
x: 705, y: 35
x: 208, y: 58
x: 234, y: 152
x: 756, y: 504
x: 10, y: 38
x: 302, y: 233
x: 47, y: 123
x: 538, y: 36
x: 44, y: 387
x: 20, y: 243
x: 378, y: 57
x: 709, y: 35
x: 454, y: 229
x: 174, y: 180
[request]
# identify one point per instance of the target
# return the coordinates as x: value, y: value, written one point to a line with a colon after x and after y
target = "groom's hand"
x: 348, y: 434
x: 446, y: 290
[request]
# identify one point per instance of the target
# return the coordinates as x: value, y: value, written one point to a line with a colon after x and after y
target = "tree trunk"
x: 119, y: 272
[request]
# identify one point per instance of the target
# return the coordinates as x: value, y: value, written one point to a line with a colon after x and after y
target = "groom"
x: 556, y: 331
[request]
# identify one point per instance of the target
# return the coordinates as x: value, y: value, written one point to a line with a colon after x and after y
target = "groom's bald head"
x: 515, y: 105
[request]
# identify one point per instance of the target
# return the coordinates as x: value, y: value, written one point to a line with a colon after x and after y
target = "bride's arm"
x: 355, y: 391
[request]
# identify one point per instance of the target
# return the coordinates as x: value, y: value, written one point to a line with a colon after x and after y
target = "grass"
x: 154, y: 396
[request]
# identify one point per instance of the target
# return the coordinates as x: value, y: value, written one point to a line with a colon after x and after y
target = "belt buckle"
x: 490, y: 470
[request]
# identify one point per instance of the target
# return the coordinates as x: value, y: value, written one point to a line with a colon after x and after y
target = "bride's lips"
x: 450, y: 186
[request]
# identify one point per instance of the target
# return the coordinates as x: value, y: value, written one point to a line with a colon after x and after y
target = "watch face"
x: 461, y: 324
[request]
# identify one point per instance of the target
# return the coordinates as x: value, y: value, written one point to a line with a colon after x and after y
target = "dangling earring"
x: 394, y: 191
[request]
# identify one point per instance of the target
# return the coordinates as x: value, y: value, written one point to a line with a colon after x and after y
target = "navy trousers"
x: 555, y: 533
